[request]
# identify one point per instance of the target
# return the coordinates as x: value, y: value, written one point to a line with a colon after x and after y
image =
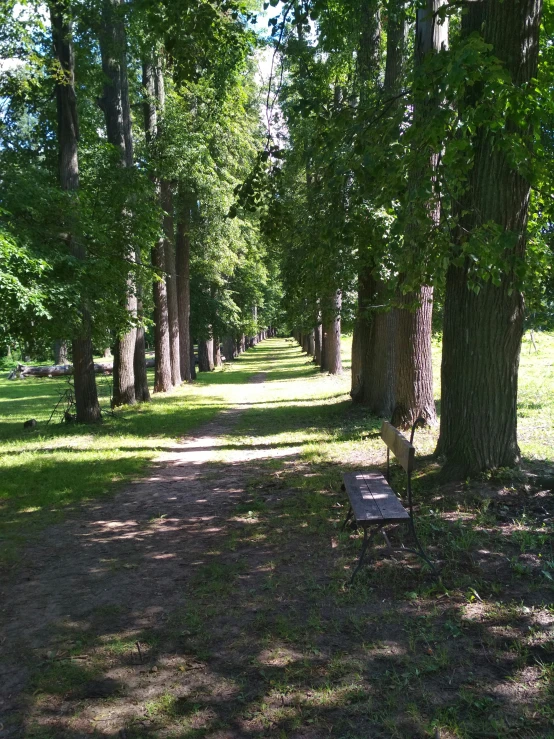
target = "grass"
x: 47, y: 470
x: 268, y: 640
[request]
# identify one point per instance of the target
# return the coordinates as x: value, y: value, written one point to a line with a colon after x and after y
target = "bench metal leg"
x: 365, y: 545
x: 420, y: 551
x: 347, y: 519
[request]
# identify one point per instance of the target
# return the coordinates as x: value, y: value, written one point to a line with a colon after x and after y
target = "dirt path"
x: 96, y: 584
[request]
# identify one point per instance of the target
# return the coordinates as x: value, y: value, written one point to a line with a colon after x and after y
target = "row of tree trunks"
x: 86, y: 395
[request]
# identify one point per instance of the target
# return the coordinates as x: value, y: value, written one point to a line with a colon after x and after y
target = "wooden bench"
x: 374, y: 504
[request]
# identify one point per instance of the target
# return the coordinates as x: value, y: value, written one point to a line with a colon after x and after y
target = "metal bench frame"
x: 406, y: 454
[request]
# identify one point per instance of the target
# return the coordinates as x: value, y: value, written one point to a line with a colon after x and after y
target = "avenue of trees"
x: 125, y: 128
x: 408, y: 191
x: 399, y: 186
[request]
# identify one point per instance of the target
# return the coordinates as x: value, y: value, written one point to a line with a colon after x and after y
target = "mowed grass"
x: 270, y: 640
x: 47, y: 470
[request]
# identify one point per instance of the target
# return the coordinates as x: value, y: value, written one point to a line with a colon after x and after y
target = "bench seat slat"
x: 372, y: 498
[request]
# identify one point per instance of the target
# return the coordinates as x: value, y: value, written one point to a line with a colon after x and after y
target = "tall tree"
x: 373, y: 364
x: 86, y: 396
x: 413, y: 387
x: 483, y: 319
x: 115, y: 105
x: 171, y: 281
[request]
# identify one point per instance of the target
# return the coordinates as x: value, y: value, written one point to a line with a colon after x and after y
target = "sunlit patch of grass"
x: 46, y: 471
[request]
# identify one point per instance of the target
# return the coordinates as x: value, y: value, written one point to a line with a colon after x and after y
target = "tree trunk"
x: 317, y: 344
x: 162, y: 373
x: 192, y: 358
x: 171, y: 283
x: 86, y: 395
x: 331, y: 332
x: 311, y: 343
x: 229, y: 348
x: 483, y: 331
x: 182, y: 246
x: 205, y: 355
x: 414, y: 374
x: 115, y: 104
x: 142, y: 392
x: 217, y: 352
x: 60, y: 351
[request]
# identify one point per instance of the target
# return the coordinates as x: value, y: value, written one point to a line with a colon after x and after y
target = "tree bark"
x: 171, y: 282
x: 162, y: 373
x: 60, y: 351
x: 311, y: 343
x: 331, y: 332
x: 414, y: 374
x: 317, y: 344
x: 182, y: 247
x: 229, y: 348
x: 483, y: 331
x: 86, y: 395
x: 115, y: 104
x: 217, y: 352
x: 205, y: 355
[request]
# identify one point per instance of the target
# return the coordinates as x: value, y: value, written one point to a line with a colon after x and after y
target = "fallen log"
x: 61, y: 370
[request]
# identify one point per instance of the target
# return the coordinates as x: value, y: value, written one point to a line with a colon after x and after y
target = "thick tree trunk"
x: 414, y: 374
x: 86, y: 395
x: 115, y: 104
x: 483, y: 331
x: 182, y: 246
x: 229, y: 348
x: 60, y: 351
x: 331, y: 332
x: 205, y: 355
x: 171, y: 283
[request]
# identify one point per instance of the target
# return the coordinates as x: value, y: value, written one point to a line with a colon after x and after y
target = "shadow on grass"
x: 245, y: 626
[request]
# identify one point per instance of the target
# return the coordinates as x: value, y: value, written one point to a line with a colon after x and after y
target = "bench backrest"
x: 399, y: 446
